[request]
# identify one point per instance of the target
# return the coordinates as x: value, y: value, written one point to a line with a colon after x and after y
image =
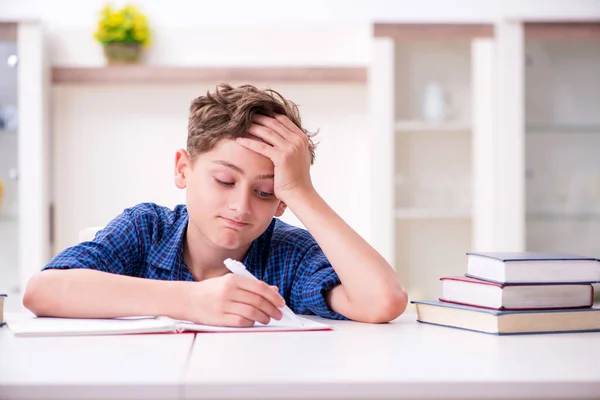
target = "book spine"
x: 516, y: 309
x: 468, y: 304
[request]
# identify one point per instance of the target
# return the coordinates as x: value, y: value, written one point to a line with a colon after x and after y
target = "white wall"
x: 185, y: 13
x: 114, y: 147
x: 227, y: 46
x: 305, y: 32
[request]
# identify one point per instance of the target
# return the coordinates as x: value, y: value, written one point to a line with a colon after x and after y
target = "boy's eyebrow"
x: 241, y: 171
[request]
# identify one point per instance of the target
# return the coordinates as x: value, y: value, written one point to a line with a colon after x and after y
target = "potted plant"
x: 123, y: 33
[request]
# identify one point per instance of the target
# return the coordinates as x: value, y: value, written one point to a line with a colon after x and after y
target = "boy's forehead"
x: 228, y: 142
x: 228, y: 151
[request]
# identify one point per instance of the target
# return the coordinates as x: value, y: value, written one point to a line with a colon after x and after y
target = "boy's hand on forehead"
x: 287, y: 147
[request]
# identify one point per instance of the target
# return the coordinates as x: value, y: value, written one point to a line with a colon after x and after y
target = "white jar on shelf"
x: 434, y: 103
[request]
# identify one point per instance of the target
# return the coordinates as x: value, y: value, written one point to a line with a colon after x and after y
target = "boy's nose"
x: 240, y: 202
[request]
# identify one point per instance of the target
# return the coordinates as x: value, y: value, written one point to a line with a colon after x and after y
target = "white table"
x: 403, y: 360
x: 99, y: 367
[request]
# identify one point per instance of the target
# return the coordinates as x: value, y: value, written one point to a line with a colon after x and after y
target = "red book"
x: 498, y: 296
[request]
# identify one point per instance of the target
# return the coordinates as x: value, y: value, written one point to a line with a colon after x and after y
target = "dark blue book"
x: 504, y: 322
x: 532, y: 267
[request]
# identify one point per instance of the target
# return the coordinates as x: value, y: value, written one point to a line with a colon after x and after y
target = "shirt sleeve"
x: 115, y: 249
x: 313, y: 279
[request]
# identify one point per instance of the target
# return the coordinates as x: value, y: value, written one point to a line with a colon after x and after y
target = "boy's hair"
x: 228, y: 112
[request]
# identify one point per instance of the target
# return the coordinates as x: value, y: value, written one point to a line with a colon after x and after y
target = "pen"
x: 238, y: 268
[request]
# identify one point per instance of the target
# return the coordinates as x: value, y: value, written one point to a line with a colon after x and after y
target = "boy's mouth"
x: 233, y: 222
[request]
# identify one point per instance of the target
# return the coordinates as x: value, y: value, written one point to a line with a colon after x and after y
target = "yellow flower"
x: 115, y: 20
x: 107, y: 10
x: 138, y: 35
x: 127, y: 25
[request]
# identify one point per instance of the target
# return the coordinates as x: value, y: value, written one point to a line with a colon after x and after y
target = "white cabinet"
x: 514, y: 163
x: 562, y: 113
x: 24, y: 146
x: 423, y: 83
x: 9, y: 277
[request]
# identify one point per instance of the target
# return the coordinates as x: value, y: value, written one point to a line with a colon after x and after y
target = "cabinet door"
x: 423, y: 79
x: 24, y: 169
x: 562, y: 83
x: 9, y: 190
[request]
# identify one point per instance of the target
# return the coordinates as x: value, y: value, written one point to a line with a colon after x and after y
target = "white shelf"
x: 424, y: 213
x: 424, y: 126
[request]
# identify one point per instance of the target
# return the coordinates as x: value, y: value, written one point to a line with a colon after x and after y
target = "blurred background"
x: 445, y: 126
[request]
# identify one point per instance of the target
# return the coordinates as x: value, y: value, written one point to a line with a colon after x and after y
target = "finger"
x: 275, y: 125
x: 235, y: 320
x: 289, y: 125
x: 262, y: 289
x: 257, y: 301
x: 248, y: 312
x: 261, y: 148
x: 267, y: 134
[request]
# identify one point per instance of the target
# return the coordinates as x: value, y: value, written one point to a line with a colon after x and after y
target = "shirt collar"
x: 258, y: 253
x: 169, y: 249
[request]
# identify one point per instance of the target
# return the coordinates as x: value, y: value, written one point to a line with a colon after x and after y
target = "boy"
x: 247, y: 159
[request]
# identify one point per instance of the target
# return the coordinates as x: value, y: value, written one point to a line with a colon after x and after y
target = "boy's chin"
x: 230, y: 243
x: 229, y: 246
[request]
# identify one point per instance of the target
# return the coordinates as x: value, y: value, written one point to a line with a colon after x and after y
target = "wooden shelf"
x: 533, y: 30
x: 8, y: 31
x: 419, y: 213
x: 423, y: 32
x: 563, y: 129
x: 562, y: 30
x: 566, y: 217
x: 144, y: 74
x: 423, y: 126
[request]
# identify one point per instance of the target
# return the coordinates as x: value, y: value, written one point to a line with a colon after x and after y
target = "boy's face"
x: 229, y: 194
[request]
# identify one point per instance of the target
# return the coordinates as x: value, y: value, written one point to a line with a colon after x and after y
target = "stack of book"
x: 517, y: 293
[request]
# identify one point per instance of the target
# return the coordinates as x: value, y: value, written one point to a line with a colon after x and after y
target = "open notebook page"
x: 32, y: 326
x: 79, y: 326
x: 273, y: 326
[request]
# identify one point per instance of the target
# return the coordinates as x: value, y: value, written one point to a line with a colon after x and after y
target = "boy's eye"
x: 264, y: 195
x: 220, y: 182
x: 260, y: 193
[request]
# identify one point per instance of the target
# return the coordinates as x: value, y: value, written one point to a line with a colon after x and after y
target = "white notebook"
x: 44, y: 326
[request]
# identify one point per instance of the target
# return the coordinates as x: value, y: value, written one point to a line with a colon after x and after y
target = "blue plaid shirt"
x: 146, y: 241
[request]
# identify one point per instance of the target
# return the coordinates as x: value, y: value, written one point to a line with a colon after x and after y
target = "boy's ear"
x: 182, y: 164
x: 280, y: 209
